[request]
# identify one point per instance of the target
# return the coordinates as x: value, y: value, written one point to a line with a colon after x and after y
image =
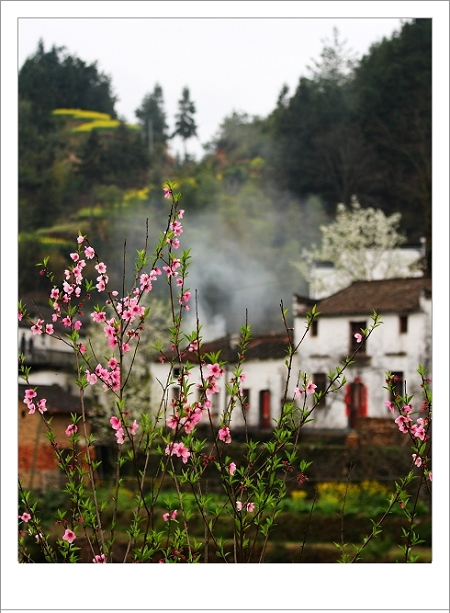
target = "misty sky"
x: 227, y: 63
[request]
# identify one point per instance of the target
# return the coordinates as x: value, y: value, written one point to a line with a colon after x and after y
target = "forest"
x: 264, y: 186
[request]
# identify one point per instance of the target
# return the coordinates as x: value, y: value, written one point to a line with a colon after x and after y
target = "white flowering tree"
x: 361, y: 244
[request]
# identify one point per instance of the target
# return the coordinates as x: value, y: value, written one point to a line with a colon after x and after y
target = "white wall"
x: 388, y: 350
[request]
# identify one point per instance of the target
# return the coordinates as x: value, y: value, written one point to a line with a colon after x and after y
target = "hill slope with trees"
x: 264, y: 186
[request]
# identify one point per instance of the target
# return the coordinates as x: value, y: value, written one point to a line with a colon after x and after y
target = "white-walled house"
x: 263, y: 387
x: 399, y: 345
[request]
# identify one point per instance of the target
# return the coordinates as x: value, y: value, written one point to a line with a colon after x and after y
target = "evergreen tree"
x: 54, y: 79
x: 185, y: 126
x: 152, y: 119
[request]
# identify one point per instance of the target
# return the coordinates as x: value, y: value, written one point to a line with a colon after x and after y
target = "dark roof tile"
x: 384, y: 296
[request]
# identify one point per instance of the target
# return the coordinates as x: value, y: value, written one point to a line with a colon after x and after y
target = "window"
x: 356, y: 327
x: 246, y: 398
x: 314, y: 327
x: 398, y: 385
x: 320, y: 379
x: 403, y: 324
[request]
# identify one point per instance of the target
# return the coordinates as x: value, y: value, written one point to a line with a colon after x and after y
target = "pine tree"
x: 185, y: 125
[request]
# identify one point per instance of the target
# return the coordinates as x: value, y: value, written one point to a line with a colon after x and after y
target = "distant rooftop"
x: 363, y: 297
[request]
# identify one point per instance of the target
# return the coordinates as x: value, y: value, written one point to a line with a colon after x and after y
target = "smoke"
x: 241, y: 252
x: 231, y: 286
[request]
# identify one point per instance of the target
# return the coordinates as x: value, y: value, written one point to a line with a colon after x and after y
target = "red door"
x: 356, y: 401
x: 264, y: 409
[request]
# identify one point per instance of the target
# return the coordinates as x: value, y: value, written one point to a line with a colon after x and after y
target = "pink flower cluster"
x: 192, y: 417
x: 30, y: 395
x: 168, y: 516
x: 146, y: 280
x: 110, y: 378
x: 38, y: 328
x: 406, y: 425
x: 250, y: 506
x: 309, y: 388
x: 71, y: 429
x: 117, y: 425
x: 100, y: 559
x: 178, y: 449
x: 225, y: 434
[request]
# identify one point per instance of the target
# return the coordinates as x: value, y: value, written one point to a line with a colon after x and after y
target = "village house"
x: 53, y: 376
x: 399, y: 345
x: 263, y: 387
x: 38, y: 462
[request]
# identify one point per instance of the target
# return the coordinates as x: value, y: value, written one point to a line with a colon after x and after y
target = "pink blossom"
x: 232, y: 468
x: 91, y: 377
x: 120, y: 436
x: 113, y: 363
x: 239, y: 505
x: 250, y: 507
x: 49, y: 329
x: 214, y: 370
x: 115, y: 422
x: 75, y: 257
x: 430, y: 475
x: 180, y: 214
x: 297, y: 392
x: 42, y: 406
x: 98, y: 316
x: 390, y: 405
x: 100, y: 268
x: 358, y: 337
x: 418, y: 429
x: 167, y: 192
x: 25, y: 517
x: 417, y: 459
x: 172, y: 422
x: 37, y: 328
x: 179, y: 450
x: 71, y: 429
x: 134, y: 427
x: 403, y: 422
x: 100, y: 559
x: 167, y: 516
x: 225, y: 435
x: 191, y: 420
x: 126, y: 347
x: 29, y: 395
x: 54, y: 294
x: 310, y: 388
x: 89, y: 253
x: 80, y: 239
x: 69, y: 536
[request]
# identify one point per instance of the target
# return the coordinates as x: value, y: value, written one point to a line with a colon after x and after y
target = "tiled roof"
x: 58, y: 400
x: 263, y: 347
x: 385, y: 296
